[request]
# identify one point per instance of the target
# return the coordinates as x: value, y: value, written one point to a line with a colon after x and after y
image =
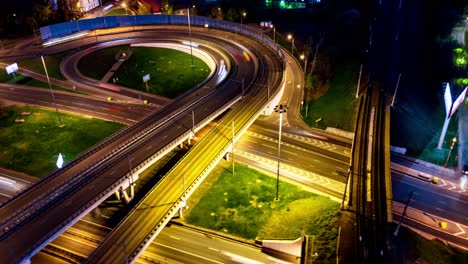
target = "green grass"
x: 28, y: 81
x: 243, y: 205
x: 52, y: 63
x: 32, y: 147
x: 118, y: 12
x: 337, y: 107
x: 170, y: 70
x: 96, y: 64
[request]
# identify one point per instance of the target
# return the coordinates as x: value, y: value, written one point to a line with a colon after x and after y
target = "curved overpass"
x: 55, y: 202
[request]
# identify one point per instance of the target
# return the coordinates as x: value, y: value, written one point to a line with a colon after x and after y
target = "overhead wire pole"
x: 232, y: 147
x: 51, y: 91
x: 190, y: 34
x: 396, y: 88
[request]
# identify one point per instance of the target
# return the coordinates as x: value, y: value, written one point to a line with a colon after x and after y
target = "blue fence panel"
x: 66, y: 28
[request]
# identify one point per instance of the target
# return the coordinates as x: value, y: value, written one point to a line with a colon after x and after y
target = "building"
x: 291, y: 4
x: 81, y: 5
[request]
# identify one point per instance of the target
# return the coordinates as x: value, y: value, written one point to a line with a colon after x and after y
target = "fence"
x: 67, y: 28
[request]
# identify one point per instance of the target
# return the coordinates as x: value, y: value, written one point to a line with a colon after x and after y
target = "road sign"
x: 59, y: 161
x: 146, y: 77
x: 12, y: 68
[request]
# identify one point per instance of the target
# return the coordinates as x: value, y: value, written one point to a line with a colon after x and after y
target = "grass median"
x: 32, y: 146
x: 171, y: 71
x: 243, y: 205
x: 52, y: 63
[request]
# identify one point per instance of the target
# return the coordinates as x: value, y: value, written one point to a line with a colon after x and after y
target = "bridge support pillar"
x: 125, y: 196
x: 182, y: 207
x: 132, y: 191
x: 227, y: 156
x: 180, y: 213
x: 117, y: 195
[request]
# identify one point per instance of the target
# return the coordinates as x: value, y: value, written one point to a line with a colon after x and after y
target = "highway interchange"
x: 322, y: 160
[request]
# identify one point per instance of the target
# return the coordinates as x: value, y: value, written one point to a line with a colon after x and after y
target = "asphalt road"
x: 119, y: 169
x: 430, y: 198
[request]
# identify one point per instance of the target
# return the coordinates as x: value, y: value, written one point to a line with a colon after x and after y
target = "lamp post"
x: 305, y: 58
x: 190, y: 34
x: 281, y: 108
x: 217, y: 17
x: 397, y: 230
x: 290, y: 37
x: 242, y: 15
x: 454, y: 140
x: 125, y: 6
x: 52, y: 92
x: 102, y: 10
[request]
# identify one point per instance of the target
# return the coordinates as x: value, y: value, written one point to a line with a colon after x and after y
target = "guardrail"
x: 67, y: 28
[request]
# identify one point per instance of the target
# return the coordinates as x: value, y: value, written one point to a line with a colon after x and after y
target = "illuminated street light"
x: 281, y: 108
x: 290, y: 37
x: 217, y: 17
x: 190, y: 34
x: 125, y: 6
x: 243, y: 15
x: 454, y: 140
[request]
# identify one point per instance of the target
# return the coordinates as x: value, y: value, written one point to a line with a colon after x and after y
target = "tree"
x: 67, y: 10
x: 167, y: 7
x: 232, y: 14
x: 217, y: 12
x: 42, y: 13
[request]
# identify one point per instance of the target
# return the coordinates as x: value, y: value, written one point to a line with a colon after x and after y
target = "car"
x: 465, y: 169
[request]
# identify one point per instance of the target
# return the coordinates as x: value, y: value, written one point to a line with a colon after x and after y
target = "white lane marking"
x: 268, y: 146
x: 214, y: 249
x: 461, y: 232
x: 188, y: 253
x: 96, y: 224
x: 292, y: 153
x: 174, y: 237
x: 149, y: 147
x: 105, y: 216
x: 9, y: 196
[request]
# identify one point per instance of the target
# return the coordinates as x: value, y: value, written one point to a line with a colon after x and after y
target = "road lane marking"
x: 174, y: 237
x: 188, y: 253
x: 9, y: 196
x: 214, y: 249
x: 461, y: 232
x: 292, y: 153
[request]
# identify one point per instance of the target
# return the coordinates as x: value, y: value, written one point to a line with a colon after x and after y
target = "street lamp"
x: 290, y: 37
x: 304, y: 58
x: 281, y: 108
x: 217, y: 17
x: 52, y: 92
x: 125, y: 6
x: 454, y: 140
x: 242, y: 15
x: 190, y: 35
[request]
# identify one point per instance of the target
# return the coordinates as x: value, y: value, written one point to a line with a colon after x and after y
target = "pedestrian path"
x: 121, y: 57
x: 111, y: 72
